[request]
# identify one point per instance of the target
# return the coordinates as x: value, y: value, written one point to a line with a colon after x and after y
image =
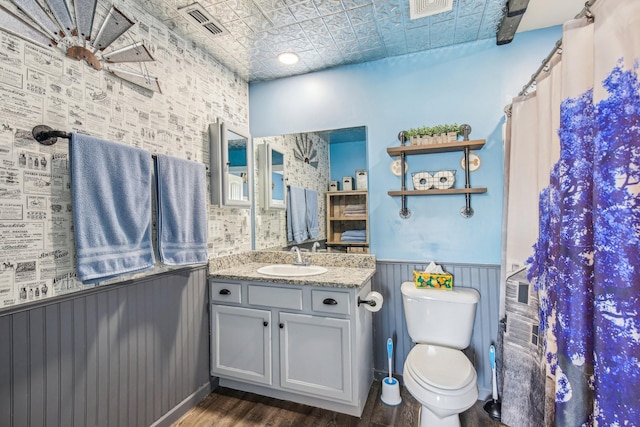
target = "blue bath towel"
x: 312, y: 213
x: 182, y: 211
x: 354, y: 236
x: 296, y: 215
x: 354, y: 233
x: 111, y: 199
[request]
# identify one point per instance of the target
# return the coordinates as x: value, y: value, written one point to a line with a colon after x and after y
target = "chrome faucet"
x: 315, y: 247
x: 297, y: 257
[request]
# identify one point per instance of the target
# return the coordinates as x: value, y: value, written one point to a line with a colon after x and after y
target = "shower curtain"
x: 586, y: 261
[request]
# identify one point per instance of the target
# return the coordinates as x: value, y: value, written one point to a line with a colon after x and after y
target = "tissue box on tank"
x: 432, y: 280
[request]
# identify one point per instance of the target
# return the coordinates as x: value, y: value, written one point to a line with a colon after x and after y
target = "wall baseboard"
x: 183, y: 407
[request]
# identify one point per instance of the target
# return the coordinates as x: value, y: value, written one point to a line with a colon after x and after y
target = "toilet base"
x: 429, y: 419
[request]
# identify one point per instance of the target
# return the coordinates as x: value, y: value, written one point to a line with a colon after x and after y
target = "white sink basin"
x: 290, y: 270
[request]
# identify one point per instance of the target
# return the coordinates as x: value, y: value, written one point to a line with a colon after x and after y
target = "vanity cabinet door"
x: 315, y: 355
x: 241, y: 343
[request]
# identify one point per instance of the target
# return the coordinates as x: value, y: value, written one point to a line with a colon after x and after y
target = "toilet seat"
x: 440, y: 369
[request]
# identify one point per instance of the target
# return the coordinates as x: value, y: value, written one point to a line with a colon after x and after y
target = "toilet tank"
x: 439, y: 317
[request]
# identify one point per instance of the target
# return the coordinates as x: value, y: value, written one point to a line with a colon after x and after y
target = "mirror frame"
x: 265, y: 153
x: 219, y: 159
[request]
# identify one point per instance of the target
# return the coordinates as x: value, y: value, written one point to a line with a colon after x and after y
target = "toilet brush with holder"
x: 390, y: 385
x: 493, y: 405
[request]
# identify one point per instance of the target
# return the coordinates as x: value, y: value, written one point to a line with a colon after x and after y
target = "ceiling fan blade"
x: 114, y: 25
x: 18, y: 27
x: 136, y: 52
x: 34, y: 11
x: 145, y: 81
x: 85, y: 11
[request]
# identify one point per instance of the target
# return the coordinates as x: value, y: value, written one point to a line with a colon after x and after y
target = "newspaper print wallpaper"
x: 43, y: 86
x: 271, y: 225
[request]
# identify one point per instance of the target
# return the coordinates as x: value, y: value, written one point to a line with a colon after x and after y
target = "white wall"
x: 43, y: 86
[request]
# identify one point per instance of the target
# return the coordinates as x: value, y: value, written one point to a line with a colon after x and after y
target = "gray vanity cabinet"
x: 242, y: 343
x: 315, y: 355
x: 307, y: 344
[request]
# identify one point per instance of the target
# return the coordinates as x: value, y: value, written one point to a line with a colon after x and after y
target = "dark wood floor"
x: 230, y: 408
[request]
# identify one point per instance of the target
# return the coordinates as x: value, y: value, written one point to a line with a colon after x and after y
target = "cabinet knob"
x: 265, y: 323
x: 225, y: 292
x: 281, y: 325
x: 330, y: 301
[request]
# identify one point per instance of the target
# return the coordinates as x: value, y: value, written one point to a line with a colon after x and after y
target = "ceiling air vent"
x: 196, y: 14
x: 422, y: 8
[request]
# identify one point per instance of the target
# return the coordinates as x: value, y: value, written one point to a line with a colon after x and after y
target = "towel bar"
x: 46, y: 135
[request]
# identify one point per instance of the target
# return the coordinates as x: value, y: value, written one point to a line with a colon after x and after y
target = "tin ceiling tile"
x: 361, y: 15
x: 467, y: 28
x: 304, y: 11
x: 258, y: 23
x: 416, y: 23
x: 386, y: 9
x: 222, y: 12
x: 470, y: 7
x: 366, y: 31
x: 280, y: 17
x: 267, y: 5
x: 238, y: 28
x: 328, y: 7
x: 324, y: 32
x: 397, y: 49
x: 242, y: 8
x: 442, y: 34
x: 336, y: 21
x: 352, y: 4
x: 344, y: 35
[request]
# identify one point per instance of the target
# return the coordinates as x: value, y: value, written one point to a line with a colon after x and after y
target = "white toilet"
x: 436, y: 372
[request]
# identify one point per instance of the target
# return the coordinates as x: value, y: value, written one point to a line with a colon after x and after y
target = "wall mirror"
x: 339, y: 152
x: 230, y: 155
x: 271, y: 177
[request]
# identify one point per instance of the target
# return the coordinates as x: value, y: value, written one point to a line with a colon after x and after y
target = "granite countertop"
x: 349, y: 271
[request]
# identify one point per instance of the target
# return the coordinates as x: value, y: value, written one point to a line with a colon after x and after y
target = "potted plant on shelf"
x: 433, y: 134
x: 452, y: 132
x: 412, y: 136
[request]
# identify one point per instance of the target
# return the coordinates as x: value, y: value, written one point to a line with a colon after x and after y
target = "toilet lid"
x: 440, y: 367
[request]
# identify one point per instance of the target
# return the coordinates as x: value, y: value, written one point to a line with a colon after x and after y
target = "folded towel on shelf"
x: 311, y: 197
x: 182, y: 211
x: 296, y: 215
x: 354, y: 233
x: 354, y: 236
x: 111, y: 199
x: 353, y: 239
x: 355, y: 208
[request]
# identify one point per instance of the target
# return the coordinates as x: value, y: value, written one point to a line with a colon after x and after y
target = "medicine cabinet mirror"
x: 271, y: 177
x: 230, y: 155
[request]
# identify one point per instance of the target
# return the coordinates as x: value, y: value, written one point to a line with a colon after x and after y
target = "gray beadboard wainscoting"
x: 129, y: 354
x: 389, y: 321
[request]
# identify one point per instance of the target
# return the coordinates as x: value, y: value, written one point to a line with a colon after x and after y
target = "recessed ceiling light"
x: 288, y: 58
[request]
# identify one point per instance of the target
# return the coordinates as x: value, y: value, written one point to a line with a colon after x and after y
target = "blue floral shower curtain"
x: 586, y: 262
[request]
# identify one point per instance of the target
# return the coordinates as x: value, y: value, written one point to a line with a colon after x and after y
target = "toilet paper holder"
x: 370, y: 302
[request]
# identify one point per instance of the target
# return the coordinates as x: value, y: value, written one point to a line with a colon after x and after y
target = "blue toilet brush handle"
x: 494, y: 385
x: 390, y: 355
